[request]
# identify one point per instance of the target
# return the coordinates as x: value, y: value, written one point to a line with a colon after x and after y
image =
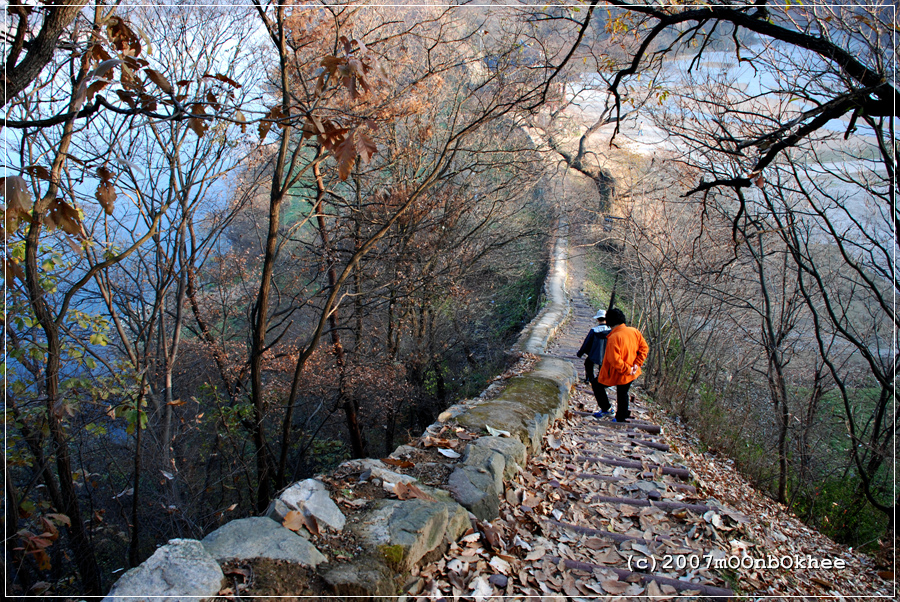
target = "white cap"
x: 600, y: 314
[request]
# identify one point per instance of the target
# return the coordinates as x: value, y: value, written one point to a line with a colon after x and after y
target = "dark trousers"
x: 622, y: 412
x: 598, y: 389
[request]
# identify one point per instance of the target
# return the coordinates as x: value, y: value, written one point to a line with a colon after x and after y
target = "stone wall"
x: 396, y: 534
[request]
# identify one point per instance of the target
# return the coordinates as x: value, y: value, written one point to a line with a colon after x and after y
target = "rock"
x: 181, y: 570
x: 512, y: 450
x: 478, y: 484
x: 310, y: 497
x: 525, y: 406
x: 260, y: 537
x: 455, y: 410
x: 406, y: 530
x: 499, y: 580
x: 403, y: 451
x: 379, y: 470
x: 477, y: 491
x: 360, y: 579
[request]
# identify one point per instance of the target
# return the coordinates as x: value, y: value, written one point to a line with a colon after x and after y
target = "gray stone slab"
x: 476, y: 491
x: 413, y: 527
x: 512, y: 450
x: 180, y: 571
x: 260, y: 537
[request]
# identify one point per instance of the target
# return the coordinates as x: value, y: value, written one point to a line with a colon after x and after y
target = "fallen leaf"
x: 569, y: 586
x: 491, y: 535
x: 653, y: 589
x: 608, y: 556
x: 823, y: 583
x: 481, y: 588
x: 456, y: 566
x: 614, y: 587
x: 408, y: 491
x: 449, y: 453
x: 496, y: 432
x: 309, y: 521
x: 398, y: 463
x: 500, y: 565
x: 293, y: 520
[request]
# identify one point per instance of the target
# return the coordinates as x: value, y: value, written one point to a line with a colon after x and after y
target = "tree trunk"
x: 78, y: 539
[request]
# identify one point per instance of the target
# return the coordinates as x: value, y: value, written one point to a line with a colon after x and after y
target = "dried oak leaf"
x: 296, y: 520
x: 105, y: 193
x: 63, y: 216
x: 398, y: 463
x: 407, y: 491
x: 157, y: 78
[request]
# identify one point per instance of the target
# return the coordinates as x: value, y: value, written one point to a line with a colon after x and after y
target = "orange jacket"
x: 625, y: 347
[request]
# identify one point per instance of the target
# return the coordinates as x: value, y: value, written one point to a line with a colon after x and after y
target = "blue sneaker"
x: 602, y: 414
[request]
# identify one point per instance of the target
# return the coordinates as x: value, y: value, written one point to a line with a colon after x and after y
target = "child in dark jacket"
x: 594, y: 346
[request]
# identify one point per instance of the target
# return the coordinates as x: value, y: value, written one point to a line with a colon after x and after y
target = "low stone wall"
x: 398, y: 533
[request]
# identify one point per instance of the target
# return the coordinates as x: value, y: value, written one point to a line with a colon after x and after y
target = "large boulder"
x: 260, y: 537
x: 406, y: 530
x: 180, y: 571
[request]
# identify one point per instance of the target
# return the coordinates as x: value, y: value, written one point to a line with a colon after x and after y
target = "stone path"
x: 606, y: 509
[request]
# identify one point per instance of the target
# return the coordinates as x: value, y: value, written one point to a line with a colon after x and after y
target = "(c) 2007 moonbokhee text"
x: 674, y: 562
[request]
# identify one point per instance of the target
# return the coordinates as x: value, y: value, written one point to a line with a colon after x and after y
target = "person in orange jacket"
x: 626, y: 351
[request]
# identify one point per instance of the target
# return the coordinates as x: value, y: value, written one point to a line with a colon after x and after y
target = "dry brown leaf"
x: 158, y: 79
x: 491, y: 535
x: 823, y: 583
x: 63, y: 216
x: 608, y: 556
x: 293, y: 520
x: 398, y: 463
x: 408, y: 491
x: 569, y: 586
x: 653, y: 589
x: 311, y: 524
x: 12, y: 270
x: 196, y: 122
x: 614, y: 587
